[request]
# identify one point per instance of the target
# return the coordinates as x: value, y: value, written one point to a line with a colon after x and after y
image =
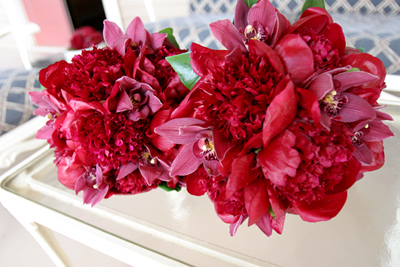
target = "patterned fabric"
x: 15, y: 106
x: 293, y: 7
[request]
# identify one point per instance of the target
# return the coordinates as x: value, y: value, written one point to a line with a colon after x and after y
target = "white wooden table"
x: 175, y: 229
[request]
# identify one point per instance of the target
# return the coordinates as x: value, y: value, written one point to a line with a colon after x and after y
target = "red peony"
x: 85, y: 37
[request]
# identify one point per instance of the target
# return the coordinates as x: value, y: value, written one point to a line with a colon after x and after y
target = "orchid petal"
x: 265, y: 13
x: 265, y: 224
x: 282, y: 24
x: 227, y: 34
x: 241, y: 13
x: 143, y: 113
x: 80, y: 105
x: 378, y: 131
x: 111, y: 32
x: 296, y: 56
x: 234, y: 226
x: 45, y: 132
x: 149, y: 173
x: 157, y: 39
x: 320, y: 210
x: 124, y: 102
x: 126, y: 169
x: 211, y: 167
x: 136, y: 31
x: 185, y: 163
x: 355, y: 78
x: 356, y: 109
x: 363, y: 153
x: 121, y: 44
x: 280, y: 112
x: 171, y: 130
x: 321, y: 85
x: 154, y: 103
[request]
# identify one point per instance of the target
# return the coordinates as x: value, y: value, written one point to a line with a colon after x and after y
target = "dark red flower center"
x: 235, y: 97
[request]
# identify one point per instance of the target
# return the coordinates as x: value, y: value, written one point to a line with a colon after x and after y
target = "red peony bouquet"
x: 283, y: 121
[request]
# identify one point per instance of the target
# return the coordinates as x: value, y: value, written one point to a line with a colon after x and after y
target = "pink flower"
x: 197, y: 149
x: 331, y: 90
x: 135, y: 36
x: 260, y: 22
x: 85, y: 37
x: 139, y: 99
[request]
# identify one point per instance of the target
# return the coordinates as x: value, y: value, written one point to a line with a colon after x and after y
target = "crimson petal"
x: 320, y: 210
x: 281, y: 111
x: 240, y: 177
x: 296, y: 56
x: 204, y: 59
x: 256, y: 200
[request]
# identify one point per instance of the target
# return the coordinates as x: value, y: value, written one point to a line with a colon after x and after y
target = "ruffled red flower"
x: 92, y: 75
x: 85, y: 37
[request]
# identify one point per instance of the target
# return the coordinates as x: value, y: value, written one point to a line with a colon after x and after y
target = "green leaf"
x: 353, y: 70
x: 250, y: 3
x: 165, y: 187
x: 170, y: 36
x: 362, y: 49
x: 271, y: 212
x: 42, y: 88
x: 181, y: 64
x: 313, y: 3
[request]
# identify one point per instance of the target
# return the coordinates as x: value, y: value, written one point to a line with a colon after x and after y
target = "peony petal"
x: 256, y: 200
x: 79, y: 105
x: 315, y: 22
x: 335, y: 33
x: 320, y: 210
x: 136, y: 31
x: 280, y: 112
x: 124, y: 102
x: 316, y: 11
x: 196, y: 184
x: 111, y: 32
x: 241, y: 168
x: 356, y: 109
x: 241, y: 13
x: 185, y: 163
x: 126, y: 169
x: 279, y: 159
x: 296, y: 56
x: 351, y: 172
x: 309, y: 101
x: 265, y: 13
x: 227, y: 34
x: 170, y: 130
x: 204, y: 59
x: 263, y: 50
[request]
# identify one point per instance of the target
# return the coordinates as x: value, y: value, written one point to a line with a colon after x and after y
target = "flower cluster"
x: 283, y: 121
x: 85, y: 37
x: 103, y: 108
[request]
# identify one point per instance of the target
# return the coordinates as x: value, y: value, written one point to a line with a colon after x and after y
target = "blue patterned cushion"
x: 15, y: 106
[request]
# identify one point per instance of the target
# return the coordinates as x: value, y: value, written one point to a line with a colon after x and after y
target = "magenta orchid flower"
x: 135, y: 36
x: 334, y: 100
x: 138, y: 98
x: 370, y: 131
x: 198, y: 145
x: 260, y: 22
x: 151, y: 166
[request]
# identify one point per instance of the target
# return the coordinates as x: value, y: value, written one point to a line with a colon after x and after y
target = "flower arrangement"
x: 283, y: 121
x: 85, y: 37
